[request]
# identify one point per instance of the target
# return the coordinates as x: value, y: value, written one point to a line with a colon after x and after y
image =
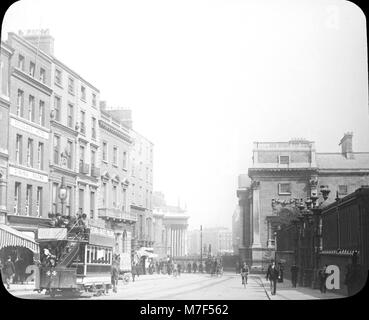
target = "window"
x: 93, y: 158
x: 105, y: 151
x: 81, y: 201
x: 140, y: 197
x: 124, y: 199
x: 71, y: 85
x: 18, y: 149
x: 83, y: 93
x: 39, y: 202
x: 69, y: 154
x: 92, y: 205
x: 41, y: 113
x: 32, y: 69
x: 56, y: 149
x: 147, y: 198
x: 115, y: 155
x: 284, y: 159
x: 124, y: 159
x: 114, y: 196
x: 104, y: 195
x: 284, y: 188
x: 58, y: 77
x: 20, y: 103
x: 70, y: 115
x: 17, y: 198
x: 30, y: 153
x: 57, y: 108
x: 31, y: 110
x: 125, y: 242
x: 42, y: 75
x: 55, y: 198
x: 4, y: 75
x: 147, y: 174
x: 83, y: 117
x: 133, y: 193
x: 40, y: 156
x: 68, y: 202
x: 21, y: 62
x: 342, y: 190
x: 94, y: 100
x: 93, y: 133
x: 82, y: 154
x: 28, y: 207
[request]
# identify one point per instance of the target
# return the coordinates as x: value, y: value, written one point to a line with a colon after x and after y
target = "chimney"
x: 346, y: 145
x: 39, y: 38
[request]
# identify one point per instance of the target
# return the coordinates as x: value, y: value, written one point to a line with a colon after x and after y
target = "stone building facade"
x: 29, y: 135
x: 287, y: 170
x: 114, y: 200
x: 6, y: 53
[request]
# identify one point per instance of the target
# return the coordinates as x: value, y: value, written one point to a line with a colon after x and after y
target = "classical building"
x: 287, y: 170
x: 114, y: 202
x: 170, y: 228
x: 6, y: 53
x: 29, y: 135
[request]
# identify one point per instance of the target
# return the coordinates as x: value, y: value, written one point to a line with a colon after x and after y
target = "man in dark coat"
x: 272, y: 276
x: 114, y: 276
x: 8, y: 271
x: 194, y: 267
x: 294, y: 273
x: 189, y: 267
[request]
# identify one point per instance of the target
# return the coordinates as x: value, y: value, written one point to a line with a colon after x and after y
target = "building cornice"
x: 62, y: 127
x: 5, y: 102
x: 108, y: 127
x: 62, y: 170
x: 23, y: 76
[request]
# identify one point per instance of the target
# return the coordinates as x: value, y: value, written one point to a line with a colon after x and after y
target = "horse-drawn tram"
x: 75, y: 259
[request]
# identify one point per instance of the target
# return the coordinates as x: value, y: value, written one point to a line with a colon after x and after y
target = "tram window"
x: 95, y: 249
x: 105, y: 256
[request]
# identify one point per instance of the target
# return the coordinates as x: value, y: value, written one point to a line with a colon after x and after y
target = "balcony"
x: 118, y: 214
x: 84, y: 167
x: 95, y: 172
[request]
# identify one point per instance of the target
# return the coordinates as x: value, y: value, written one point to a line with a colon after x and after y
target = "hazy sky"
x: 207, y: 78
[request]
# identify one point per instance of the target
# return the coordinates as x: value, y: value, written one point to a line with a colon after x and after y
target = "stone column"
x: 256, y: 244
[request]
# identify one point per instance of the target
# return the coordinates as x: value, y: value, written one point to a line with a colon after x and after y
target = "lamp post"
x: 201, y: 244
x: 62, y: 194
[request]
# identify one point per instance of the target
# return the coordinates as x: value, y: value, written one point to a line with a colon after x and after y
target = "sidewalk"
x: 29, y: 287
x: 285, y: 291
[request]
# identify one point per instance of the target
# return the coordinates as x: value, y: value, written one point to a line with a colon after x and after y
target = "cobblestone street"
x: 192, y: 287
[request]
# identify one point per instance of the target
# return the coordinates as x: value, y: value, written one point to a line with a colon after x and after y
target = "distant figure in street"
x: 134, y: 271
x: 237, y: 267
x: 114, y: 277
x: 244, y: 273
x: 189, y: 267
x: 179, y: 267
x: 201, y: 267
x: 294, y: 273
x: 272, y: 276
x: 322, y: 279
x: 20, y: 269
x: 280, y: 270
x: 194, y: 267
x: 8, y: 271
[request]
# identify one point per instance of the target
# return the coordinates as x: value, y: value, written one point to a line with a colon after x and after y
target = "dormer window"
x: 284, y: 159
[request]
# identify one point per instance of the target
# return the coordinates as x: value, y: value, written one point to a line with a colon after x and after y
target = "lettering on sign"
x: 28, y: 128
x: 28, y: 174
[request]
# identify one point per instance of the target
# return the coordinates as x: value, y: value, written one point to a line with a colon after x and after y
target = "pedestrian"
x: 114, y: 276
x: 244, y: 273
x: 201, y: 267
x: 19, y: 265
x: 322, y: 275
x: 8, y: 271
x: 189, y: 267
x: 272, y: 276
x: 280, y: 270
x: 294, y: 273
x: 194, y: 267
x: 134, y: 271
x: 179, y: 267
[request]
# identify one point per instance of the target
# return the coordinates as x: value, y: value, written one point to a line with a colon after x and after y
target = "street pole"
x: 201, y: 244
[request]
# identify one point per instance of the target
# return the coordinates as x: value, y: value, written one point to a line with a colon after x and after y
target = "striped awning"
x: 10, y: 237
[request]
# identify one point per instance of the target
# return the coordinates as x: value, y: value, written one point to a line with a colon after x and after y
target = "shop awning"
x: 10, y: 237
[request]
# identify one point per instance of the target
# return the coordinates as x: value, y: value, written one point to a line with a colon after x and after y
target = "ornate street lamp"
x: 62, y: 194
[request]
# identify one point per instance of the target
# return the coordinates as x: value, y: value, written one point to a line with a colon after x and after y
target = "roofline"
x: 61, y: 64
